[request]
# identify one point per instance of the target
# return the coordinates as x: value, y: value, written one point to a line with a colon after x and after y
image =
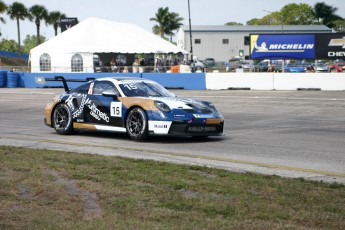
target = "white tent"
x: 95, y: 35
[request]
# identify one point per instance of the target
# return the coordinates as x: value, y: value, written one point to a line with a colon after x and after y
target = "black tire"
x: 136, y: 124
x: 62, y: 119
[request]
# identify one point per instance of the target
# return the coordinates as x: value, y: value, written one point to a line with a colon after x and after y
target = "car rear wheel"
x: 136, y: 124
x: 62, y: 119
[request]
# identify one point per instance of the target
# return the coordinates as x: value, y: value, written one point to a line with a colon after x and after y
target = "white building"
x: 225, y: 42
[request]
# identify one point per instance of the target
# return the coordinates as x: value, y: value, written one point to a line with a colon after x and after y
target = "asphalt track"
x: 286, y: 133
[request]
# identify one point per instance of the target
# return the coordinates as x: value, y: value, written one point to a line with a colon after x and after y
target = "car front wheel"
x: 136, y: 124
x: 62, y: 119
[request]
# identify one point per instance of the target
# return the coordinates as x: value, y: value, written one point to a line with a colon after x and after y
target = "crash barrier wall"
x: 276, y: 81
x: 201, y: 81
x: 195, y: 81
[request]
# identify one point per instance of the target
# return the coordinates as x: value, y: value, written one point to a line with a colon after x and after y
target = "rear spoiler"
x: 42, y: 80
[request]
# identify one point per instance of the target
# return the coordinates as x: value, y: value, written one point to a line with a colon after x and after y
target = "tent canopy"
x: 94, y: 35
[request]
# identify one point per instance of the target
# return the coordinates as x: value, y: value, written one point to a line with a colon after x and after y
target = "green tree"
x: 233, y: 24
x: 3, y: 8
x: 38, y: 13
x: 325, y: 14
x: 340, y: 25
x: 297, y: 14
x: 31, y: 42
x: 17, y: 11
x: 273, y: 18
x: 167, y: 22
x: 54, y: 19
x: 290, y: 14
x: 8, y: 45
x: 253, y: 21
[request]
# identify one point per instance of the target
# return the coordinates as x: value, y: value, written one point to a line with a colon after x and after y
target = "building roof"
x: 260, y: 28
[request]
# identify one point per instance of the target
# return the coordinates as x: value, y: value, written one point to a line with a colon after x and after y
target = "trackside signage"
x: 330, y: 46
x: 282, y: 46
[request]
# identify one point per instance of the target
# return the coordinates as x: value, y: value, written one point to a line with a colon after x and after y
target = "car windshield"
x: 141, y: 88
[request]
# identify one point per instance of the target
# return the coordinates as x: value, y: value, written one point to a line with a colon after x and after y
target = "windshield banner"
x: 282, y: 46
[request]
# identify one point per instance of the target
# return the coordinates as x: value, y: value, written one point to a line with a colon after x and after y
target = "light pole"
x: 190, y: 34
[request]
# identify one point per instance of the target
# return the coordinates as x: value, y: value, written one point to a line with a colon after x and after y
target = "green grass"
x: 43, y: 189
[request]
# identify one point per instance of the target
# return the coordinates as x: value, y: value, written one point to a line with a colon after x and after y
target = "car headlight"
x: 162, y: 106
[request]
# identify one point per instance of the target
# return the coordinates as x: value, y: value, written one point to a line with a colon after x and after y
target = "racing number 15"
x: 116, y: 109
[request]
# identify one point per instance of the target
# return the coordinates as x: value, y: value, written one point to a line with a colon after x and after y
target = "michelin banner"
x: 282, y: 46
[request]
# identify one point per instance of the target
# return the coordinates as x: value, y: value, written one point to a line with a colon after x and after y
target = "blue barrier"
x: 3, y: 78
x: 13, y: 55
x: 192, y: 81
x: 12, y: 79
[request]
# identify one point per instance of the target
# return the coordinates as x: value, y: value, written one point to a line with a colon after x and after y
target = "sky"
x: 203, y: 12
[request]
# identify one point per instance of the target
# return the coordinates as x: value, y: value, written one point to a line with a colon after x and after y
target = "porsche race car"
x: 136, y: 106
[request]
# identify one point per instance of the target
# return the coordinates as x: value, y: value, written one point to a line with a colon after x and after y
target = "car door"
x: 103, y: 110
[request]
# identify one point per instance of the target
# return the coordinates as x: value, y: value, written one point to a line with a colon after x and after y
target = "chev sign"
x: 330, y: 46
x: 282, y: 46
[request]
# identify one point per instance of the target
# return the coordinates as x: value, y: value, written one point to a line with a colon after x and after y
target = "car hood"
x: 187, y: 104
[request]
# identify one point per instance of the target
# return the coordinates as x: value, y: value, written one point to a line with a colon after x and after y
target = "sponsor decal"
x: 84, y: 101
x: 282, y: 46
x: 69, y: 102
x: 159, y: 127
x: 336, y: 54
x: 330, y: 46
x: 337, y: 42
x: 199, y: 129
x: 96, y: 113
x: 203, y: 115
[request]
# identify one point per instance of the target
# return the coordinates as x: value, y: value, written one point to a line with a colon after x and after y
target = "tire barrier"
x: 3, y: 78
x: 12, y: 79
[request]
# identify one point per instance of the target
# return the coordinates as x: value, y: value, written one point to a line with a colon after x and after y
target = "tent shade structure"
x: 91, y: 36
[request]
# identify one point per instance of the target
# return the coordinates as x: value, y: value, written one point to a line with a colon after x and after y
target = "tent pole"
x: 155, y: 63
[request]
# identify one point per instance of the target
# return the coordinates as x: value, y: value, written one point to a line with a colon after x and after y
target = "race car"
x: 136, y: 106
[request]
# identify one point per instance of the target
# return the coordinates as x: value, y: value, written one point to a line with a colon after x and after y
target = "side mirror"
x: 110, y: 93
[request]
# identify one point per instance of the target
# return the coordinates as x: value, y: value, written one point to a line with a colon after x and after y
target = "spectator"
x: 113, y: 65
x: 135, y: 66
x: 125, y: 69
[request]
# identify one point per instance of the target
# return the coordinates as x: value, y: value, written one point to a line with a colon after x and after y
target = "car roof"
x: 119, y: 80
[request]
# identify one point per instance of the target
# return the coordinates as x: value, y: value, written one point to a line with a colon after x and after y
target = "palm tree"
x: 3, y: 8
x: 17, y: 11
x: 162, y: 18
x: 167, y: 22
x: 39, y: 13
x: 54, y: 19
x: 175, y: 22
x: 325, y: 14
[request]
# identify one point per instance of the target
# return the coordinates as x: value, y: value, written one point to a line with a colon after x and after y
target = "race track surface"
x: 286, y: 133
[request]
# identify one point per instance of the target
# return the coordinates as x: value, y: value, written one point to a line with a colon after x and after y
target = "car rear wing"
x: 43, y: 80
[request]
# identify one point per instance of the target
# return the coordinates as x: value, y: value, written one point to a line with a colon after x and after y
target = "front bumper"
x: 189, y: 129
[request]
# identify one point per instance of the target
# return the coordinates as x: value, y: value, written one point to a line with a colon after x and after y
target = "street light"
x: 270, y: 12
x: 190, y: 34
